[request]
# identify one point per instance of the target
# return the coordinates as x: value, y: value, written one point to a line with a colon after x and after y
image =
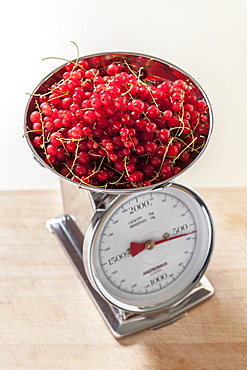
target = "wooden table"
x: 48, y: 321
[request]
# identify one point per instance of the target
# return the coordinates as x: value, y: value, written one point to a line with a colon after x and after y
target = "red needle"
x: 136, y: 248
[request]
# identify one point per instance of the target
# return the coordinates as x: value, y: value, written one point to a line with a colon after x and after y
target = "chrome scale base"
x: 122, y: 323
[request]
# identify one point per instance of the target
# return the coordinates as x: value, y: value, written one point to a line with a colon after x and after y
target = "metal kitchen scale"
x: 142, y: 253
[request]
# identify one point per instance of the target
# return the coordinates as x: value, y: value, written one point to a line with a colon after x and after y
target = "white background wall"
x: 208, y: 39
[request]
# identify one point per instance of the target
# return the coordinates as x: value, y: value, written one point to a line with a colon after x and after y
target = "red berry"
x: 167, y: 115
x: 80, y: 170
x: 143, y: 92
x: 161, y: 150
x: 46, y: 108
x: 172, y: 150
x: 124, y: 132
x: 105, y: 99
x: 203, y: 118
x: 176, y: 170
x: 150, y: 127
x: 51, y: 160
x: 37, y: 141
x: 51, y: 150
x: 128, y: 144
x: 121, y: 78
x: 166, y: 171
x: 65, y: 172
x: 83, y: 64
x: 126, y: 119
x: 130, y: 167
x: 133, y: 159
x: 56, y: 138
x: 70, y: 146
x: 101, y: 122
x: 126, y: 151
x: 137, y: 105
x: 177, y: 97
x: 119, y: 165
x: 150, y: 147
x: 35, y: 116
x: 61, y: 154
x: 136, y: 176
x: 140, y: 125
x: 66, y: 102
x: 152, y: 111
x: 95, y: 102
x: 113, y: 157
x: 165, y: 86
x: 75, y: 132
x: 184, y: 156
x: 185, y: 127
x: 92, y: 144
x: 140, y: 149
x: 87, y: 131
x: 177, y: 106
x: 155, y: 161
x: 180, y: 83
x: 89, y: 116
x: 164, y: 134
x: 114, y: 91
x: 86, y: 180
x: 146, y: 136
x: 110, y: 174
x: 148, y: 170
x: 117, y: 141
x: 120, y: 103
x: 37, y: 127
x: 173, y: 122
x: 189, y: 108
x: 201, y: 128
x: 111, y: 109
x: 112, y: 69
x: 201, y: 106
x: 109, y: 146
x: 91, y: 73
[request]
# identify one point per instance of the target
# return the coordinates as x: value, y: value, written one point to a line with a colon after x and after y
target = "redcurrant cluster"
x: 110, y: 127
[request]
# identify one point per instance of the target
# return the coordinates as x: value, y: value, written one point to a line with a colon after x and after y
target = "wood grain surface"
x: 48, y: 321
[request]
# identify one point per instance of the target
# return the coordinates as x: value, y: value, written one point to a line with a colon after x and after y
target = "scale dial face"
x: 149, y: 249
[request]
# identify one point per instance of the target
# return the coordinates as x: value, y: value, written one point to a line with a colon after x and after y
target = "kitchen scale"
x: 141, y: 254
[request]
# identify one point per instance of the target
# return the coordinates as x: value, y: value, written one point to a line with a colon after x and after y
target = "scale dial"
x: 149, y: 249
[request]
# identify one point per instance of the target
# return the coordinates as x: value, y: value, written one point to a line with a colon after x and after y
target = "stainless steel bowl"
x: 153, y: 69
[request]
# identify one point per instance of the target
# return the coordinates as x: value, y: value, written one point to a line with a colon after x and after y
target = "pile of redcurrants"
x: 112, y: 127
